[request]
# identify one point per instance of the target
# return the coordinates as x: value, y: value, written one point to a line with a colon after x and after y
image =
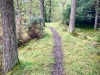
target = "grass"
x: 36, y: 57
x: 79, y: 56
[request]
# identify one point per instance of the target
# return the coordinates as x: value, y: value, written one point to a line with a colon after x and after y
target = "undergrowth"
x: 80, y: 57
x: 36, y: 57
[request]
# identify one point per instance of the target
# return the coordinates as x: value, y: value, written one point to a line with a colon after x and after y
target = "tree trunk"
x: 9, y: 35
x: 72, y: 16
x: 30, y: 9
x: 45, y: 13
x: 42, y: 12
x: 17, y: 5
x: 49, y: 18
x: 96, y: 16
x: 20, y: 4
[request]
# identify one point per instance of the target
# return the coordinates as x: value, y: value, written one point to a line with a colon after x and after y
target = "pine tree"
x: 9, y: 35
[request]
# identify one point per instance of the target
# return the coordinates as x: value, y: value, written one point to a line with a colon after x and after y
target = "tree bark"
x: 17, y: 5
x: 42, y: 11
x: 72, y: 16
x: 96, y: 16
x: 9, y: 35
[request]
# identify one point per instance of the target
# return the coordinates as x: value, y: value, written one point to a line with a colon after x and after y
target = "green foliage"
x: 85, y: 12
x: 1, y: 47
x: 16, y: 12
x: 55, y: 10
x: 74, y: 33
x: 34, y: 27
x: 66, y: 14
x: 33, y: 20
x: 26, y: 9
x: 98, y: 37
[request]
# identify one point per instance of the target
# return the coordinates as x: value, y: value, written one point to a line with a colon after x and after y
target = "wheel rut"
x: 58, y: 54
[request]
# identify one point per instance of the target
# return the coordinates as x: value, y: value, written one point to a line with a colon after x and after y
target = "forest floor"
x: 79, y: 54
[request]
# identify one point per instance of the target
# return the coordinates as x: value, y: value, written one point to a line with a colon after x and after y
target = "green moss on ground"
x: 80, y: 56
x: 36, y: 57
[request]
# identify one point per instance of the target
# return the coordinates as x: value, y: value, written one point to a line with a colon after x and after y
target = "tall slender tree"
x: 45, y: 13
x: 9, y: 35
x: 42, y: 11
x: 30, y: 9
x: 72, y: 16
x: 49, y: 17
x: 17, y: 4
x: 96, y: 16
x: 45, y: 10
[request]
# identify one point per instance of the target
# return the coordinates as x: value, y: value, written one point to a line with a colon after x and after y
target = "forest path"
x: 58, y: 54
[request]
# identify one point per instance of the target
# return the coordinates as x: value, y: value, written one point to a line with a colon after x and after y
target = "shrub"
x: 16, y: 12
x: 30, y: 30
x: 34, y: 27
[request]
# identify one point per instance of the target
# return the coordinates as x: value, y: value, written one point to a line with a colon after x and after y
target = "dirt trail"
x: 58, y: 54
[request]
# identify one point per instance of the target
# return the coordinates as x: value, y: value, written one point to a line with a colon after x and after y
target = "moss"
x: 79, y: 55
x: 36, y: 57
x: 98, y: 37
x: 74, y: 33
x: 14, y: 69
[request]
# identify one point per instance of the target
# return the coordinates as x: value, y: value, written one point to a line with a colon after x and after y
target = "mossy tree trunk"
x: 9, y: 35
